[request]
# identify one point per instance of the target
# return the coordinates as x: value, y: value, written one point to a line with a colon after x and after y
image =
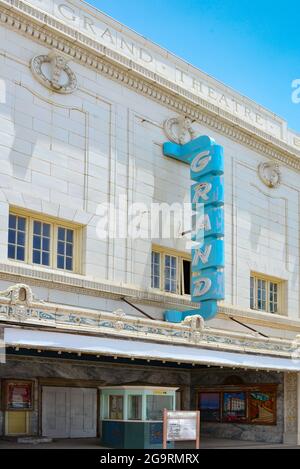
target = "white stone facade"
x: 64, y: 154
x: 65, y: 150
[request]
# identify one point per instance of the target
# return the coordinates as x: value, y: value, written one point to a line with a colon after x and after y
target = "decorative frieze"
x: 192, y: 331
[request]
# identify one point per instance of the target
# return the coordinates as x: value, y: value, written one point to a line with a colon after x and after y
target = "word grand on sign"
x: 206, y: 160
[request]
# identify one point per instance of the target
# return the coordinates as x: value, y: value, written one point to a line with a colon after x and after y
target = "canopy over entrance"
x: 14, y: 337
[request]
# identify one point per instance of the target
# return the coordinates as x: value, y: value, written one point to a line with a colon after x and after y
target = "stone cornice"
x: 52, y: 33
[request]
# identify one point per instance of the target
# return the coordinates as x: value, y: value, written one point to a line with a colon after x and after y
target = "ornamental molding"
x: 80, y: 285
x: 49, y: 31
x: 270, y: 174
x: 53, y: 71
x: 193, y: 332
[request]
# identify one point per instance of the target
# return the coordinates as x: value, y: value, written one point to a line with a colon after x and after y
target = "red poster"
x: 19, y: 396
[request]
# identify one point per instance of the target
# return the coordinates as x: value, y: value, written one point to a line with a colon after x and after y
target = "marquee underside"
x: 135, y: 349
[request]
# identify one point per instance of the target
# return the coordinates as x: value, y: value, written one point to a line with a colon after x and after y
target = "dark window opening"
x: 186, y: 277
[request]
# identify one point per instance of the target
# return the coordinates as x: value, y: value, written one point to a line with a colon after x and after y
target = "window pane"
x: 20, y: 253
x: 11, y: 251
x: 12, y: 222
x: 37, y: 227
x: 21, y: 238
x: 41, y: 243
x: 134, y: 407
x: 21, y: 224
x: 46, y: 230
x: 155, y: 270
x: 70, y: 236
x: 36, y: 242
x: 60, y: 262
x: 61, y: 234
x: 12, y: 236
x: 36, y: 257
x: 65, y: 249
x: 69, y: 263
x: 69, y: 249
x: 46, y: 244
x: 61, y: 248
x: 156, y: 405
x: 171, y: 274
x: 45, y: 258
x: 16, y: 237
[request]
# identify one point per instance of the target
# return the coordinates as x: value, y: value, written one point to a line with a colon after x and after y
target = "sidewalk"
x: 94, y: 444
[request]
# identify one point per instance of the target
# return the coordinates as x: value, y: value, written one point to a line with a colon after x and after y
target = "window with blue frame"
x: 42, y: 242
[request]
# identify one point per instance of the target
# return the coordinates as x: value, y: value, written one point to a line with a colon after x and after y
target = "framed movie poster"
x: 19, y: 395
x: 234, y: 407
x: 262, y: 407
x: 115, y: 407
x: 210, y: 406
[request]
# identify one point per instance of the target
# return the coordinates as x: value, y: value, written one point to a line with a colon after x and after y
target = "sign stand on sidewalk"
x: 181, y: 426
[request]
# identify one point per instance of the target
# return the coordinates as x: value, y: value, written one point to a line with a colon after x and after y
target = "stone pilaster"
x: 291, y: 408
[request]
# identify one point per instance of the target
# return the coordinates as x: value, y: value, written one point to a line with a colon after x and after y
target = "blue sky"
x: 252, y: 46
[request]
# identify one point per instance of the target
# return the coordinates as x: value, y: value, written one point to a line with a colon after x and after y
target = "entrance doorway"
x: 69, y: 412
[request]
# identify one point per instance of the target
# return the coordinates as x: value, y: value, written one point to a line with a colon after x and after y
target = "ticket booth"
x: 132, y: 416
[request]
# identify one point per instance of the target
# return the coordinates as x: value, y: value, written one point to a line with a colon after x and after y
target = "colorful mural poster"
x: 262, y: 407
x: 210, y: 406
x: 234, y: 406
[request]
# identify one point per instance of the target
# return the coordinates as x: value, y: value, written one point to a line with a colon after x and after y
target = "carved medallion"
x: 53, y: 71
x: 179, y: 130
x: 270, y: 174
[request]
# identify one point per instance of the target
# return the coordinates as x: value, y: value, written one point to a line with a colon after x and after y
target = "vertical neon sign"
x: 206, y: 160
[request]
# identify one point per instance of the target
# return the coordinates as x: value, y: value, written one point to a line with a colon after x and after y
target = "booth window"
x: 135, y: 407
x: 116, y: 407
x: 170, y: 272
x: 156, y: 405
x: 48, y: 242
x: 266, y: 294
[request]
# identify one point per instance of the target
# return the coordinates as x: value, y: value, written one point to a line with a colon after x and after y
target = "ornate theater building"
x: 105, y: 319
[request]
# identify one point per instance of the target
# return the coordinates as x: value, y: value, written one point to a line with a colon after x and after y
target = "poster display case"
x: 18, y: 395
x: 248, y: 404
